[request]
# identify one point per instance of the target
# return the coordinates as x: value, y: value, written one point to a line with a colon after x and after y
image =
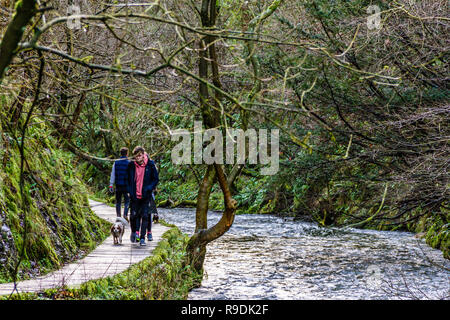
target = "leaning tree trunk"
x: 210, y: 107
x: 196, y: 247
x: 25, y: 11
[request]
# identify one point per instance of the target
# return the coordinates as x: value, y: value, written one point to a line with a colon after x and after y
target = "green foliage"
x: 53, y: 206
x: 438, y: 232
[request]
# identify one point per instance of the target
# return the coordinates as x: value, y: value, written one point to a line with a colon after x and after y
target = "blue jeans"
x: 122, y: 191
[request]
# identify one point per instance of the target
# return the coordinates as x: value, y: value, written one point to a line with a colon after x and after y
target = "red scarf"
x: 139, y: 177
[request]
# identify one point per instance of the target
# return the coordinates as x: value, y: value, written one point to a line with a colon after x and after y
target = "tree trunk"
x: 196, y: 247
x: 26, y: 9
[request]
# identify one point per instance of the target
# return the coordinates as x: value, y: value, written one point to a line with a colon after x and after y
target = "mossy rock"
x: 52, y: 206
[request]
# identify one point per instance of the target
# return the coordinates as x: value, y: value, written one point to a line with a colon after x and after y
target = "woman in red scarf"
x: 142, y: 179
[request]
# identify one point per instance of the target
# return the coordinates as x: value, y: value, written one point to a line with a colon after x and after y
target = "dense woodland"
x: 363, y: 113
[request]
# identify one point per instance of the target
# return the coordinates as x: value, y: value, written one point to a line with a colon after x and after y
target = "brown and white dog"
x: 117, y: 229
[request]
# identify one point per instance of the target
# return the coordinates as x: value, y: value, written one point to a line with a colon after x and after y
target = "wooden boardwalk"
x: 106, y: 260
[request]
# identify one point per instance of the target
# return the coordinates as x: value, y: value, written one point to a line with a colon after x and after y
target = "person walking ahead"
x: 119, y: 177
x: 142, y: 179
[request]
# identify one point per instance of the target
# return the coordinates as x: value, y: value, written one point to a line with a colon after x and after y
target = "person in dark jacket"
x: 154, y: 213
x: 142, y: 180
x: 119, y: 177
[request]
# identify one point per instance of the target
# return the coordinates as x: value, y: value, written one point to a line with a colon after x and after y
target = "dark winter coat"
x: 151, y: 179
x: 120, y: 171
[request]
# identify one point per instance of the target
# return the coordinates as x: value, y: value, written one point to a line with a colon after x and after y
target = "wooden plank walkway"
x: 106, y: 260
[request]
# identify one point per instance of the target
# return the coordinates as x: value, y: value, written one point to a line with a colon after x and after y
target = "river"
x: 270, y: 257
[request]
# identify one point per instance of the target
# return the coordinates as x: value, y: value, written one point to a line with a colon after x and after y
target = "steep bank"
x: 52, y: 208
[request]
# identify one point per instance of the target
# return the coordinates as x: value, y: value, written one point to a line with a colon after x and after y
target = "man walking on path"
x: 142, y: 180
x: 119, y: 177
x: 153, y: 212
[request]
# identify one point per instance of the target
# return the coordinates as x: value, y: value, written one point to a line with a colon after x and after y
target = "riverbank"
x: 160, y: 276
x: 361, y: 209
x: 434, y: 228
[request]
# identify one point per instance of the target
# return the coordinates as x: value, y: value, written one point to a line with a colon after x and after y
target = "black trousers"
x: 139, y: 215
x: 121, y: 191
x: 152, y: 208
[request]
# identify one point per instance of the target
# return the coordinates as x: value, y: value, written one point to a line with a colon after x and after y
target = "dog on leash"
x: 117, y: 229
